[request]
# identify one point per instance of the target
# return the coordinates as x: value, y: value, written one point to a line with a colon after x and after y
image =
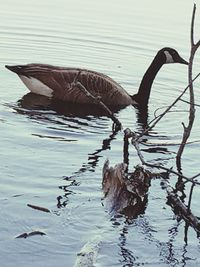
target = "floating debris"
x: 38, y: 208
x: 25, y: 235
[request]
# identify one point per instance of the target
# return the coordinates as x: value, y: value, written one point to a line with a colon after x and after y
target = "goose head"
x: 170, y: 55
x: 164, y: 56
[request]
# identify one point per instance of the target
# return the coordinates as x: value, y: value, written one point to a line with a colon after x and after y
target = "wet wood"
x: 180, y: 208
x: 125, y: 193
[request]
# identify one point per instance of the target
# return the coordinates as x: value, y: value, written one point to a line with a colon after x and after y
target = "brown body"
x: 62, y: 82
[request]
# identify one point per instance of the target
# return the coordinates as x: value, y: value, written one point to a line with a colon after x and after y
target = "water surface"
x: 53, y: 158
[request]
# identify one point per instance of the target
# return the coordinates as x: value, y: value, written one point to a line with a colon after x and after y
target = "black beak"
x: 180, y: 60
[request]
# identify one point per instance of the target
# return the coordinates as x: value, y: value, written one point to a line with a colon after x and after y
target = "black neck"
x: 143, y: 94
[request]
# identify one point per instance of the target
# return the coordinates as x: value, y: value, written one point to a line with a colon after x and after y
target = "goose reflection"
x: 142, y: 117
x: 33, y: 101
x: 63, y: 122
x: 31, y: 104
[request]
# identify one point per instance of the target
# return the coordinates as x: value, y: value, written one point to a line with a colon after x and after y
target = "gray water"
x: 54, y: 159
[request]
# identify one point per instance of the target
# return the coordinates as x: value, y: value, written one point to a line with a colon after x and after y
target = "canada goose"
x: 58, y: 82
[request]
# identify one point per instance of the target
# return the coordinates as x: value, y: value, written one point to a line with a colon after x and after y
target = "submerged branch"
x: 180, y: 208
x: 174, y: 201
x: 127, y: 134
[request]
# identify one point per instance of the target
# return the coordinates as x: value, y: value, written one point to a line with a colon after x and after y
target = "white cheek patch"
x: 169, y: 58
x: 37, y: 87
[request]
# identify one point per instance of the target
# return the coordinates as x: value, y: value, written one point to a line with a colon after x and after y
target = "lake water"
x: 54, y: 159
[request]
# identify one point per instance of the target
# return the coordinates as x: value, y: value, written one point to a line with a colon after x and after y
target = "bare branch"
x: 195, y: 46
x: 192, y: 26
x: 188, y: 129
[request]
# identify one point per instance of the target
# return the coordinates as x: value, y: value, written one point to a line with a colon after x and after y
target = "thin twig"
x: 185, y: 101
x: 192, y: 29
x: 192, y: 26
x: 192, y: 178
x: 156, y: 116
x: 170, y: 111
